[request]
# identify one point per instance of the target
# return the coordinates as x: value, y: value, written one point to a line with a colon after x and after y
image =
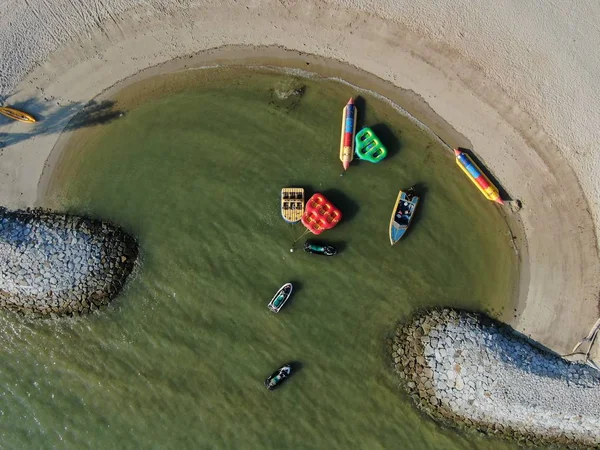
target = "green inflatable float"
x: 369, y: 147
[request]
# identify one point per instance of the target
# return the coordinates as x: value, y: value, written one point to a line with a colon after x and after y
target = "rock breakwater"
x: 467, y: 370
x: 56, y: 264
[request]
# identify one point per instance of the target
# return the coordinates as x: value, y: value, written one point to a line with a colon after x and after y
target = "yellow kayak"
x: 16, y: 114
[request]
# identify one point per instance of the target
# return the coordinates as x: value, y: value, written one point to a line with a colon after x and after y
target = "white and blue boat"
x: 280, y: 297
x: 403, y: 213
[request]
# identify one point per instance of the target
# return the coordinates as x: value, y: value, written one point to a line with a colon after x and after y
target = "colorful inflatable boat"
x: 348, y: 130
x: 369, y: 147
x: 474, y: 173
x: 320, y: 214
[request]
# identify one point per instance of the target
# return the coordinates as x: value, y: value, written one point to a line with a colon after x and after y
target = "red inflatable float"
x: 320, y: 214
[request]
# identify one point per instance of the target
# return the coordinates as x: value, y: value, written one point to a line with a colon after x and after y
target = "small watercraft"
x: 349, y: 114
x: 278, y: 377
x: 280, y: 297
x: 479, y: 179
x: 320, y: 214
x: 292, y: 204
x: 402, y: 215
x: 368, y: 147
x: 319, y: 249
x: 15, y: 114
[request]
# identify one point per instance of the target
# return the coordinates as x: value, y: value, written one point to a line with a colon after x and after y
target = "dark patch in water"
x: 388, y: 139
x: 287, y: 98
x: 345, y: 204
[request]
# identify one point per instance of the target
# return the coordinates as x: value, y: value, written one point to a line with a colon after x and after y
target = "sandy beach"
x: 513, y: 82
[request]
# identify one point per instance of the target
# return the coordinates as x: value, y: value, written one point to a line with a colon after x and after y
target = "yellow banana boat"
x: 15, y: 114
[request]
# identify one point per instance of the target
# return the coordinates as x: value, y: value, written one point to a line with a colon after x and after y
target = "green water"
x: 178, y: 361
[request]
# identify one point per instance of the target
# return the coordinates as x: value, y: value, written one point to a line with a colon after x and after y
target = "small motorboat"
x: 15, y: 114
x: 280, y: 297
x: 292, y: 204
x: 278, y: 377
x: 403, y: 213
x: 319, y: 249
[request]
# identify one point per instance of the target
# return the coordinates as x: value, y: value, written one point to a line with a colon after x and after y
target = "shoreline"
x: 288, y: 61
x: 298, y: 64
x: 561, y: 303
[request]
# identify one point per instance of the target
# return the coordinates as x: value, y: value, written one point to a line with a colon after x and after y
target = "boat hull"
x: 349, y: 114
x: 320, y: 214
x: 283, y: 373
x: 280, y: 297
x: 477, y: 177
x: 15, y: 114
x: 402, y: 215
x: 292, y: 204
x: 319, y: 249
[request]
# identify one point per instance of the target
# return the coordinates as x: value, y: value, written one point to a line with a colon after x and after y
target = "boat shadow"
x: 361, y: 105
x: 388, y: 139
x: 421, y: 190
x: 51, y: 120
x: 503, y: 193
x: 296, y: 367
x: 345, y: 204
x: 296, y: 288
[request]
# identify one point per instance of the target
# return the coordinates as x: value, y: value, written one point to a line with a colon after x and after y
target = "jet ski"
x: 319, y: 249
x: 280, y: 297
x: 278, y: 377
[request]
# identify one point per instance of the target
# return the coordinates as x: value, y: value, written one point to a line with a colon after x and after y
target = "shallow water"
x: 194, y: 169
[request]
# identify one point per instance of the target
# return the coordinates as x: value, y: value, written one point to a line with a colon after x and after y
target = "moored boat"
x: 368, y: 147
x: 278, y: 377
x: 15, y: 114
x: 292, y: 204
x: 320, y: 215
x: 477, y: 177
x: 319, y: 249
x: 280, y: 297
x: 349, y: 114
x: 403, y: 213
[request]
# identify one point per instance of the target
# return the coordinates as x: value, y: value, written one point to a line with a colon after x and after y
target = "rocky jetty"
x: 470, y: 371
x: 56, y: 264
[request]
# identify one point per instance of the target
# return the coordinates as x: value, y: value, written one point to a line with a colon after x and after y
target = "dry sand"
x: 515, y: 81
